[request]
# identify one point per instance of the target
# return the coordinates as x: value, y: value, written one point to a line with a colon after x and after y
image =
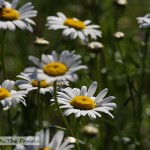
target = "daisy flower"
x: 56, y: 143
x: 144, y: 21
x: 81, y: 102
x: 73, y: 27
x: 10, y: 97
x: 53, y: 67
x: 30, y: 82
x: 10, y: 17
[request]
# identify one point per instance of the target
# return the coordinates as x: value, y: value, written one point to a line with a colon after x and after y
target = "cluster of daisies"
x: 54, y: 67
x: 60, y: 68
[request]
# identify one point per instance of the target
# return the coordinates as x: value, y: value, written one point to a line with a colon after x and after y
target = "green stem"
x: 1, y: 133
x: 127, y: 78
x: 97, y: 62
x: 57, y: 127
x: 102, y: 137
x: 41, y: 104
x: 86, y: 142
x: 60, y: 112
x: 62, y: 116
x: 40, y: 54
x: 39, y: 107
x: 3, y: 55
x: 144, y: 52
x: 5, y: 75
x: 40, y: 101
x: 10, y: 122
x: 77, y: 126
x: 136, y: 115
x: 128, y: 82
x: 140, y: 92
x: 143, y: 63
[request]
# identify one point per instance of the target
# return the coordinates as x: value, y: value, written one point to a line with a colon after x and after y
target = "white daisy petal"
x: 87, y: 22
x: 47, y: 137
x: 35, y: 61
x: 8, y: 84
x: 101, y: 95
x: 91, y: 114
x: 10, y: 25
x: 21, y: 24
x: 65, y: 106
x: 112, y: 105
x: 14, y: 3
x: 83, y: 90
x: 106, y: 100
x: 83, y: 112
x: 63, y: 95
x: 61, y: 15
x: 66, y: 32
x: 92, y: 89
x: 24, y: 86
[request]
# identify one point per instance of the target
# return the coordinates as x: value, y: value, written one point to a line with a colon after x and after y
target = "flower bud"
x: 90, y: 131
x: 95, y: 47
x: 41, y: 43
x: 118, y: 35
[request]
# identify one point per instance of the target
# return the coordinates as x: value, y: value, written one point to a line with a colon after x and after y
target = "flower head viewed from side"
x: 73, y: 27
x: 81, y: 102
x: 53, y: 67
x: 56, y: 143
x: 144, y: 22
x: 10, y: 17
x: 29, y: 82
x: 9, y: 97
x: 41, y: 43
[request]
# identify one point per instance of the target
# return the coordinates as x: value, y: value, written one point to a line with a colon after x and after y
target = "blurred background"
x: 131, y: 126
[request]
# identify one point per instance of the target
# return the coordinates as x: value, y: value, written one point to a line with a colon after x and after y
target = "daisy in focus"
x: 56, y: 143
x: 30, y: 82
x: 81, y: 102
x: 144, y: 22
x: 73, y: 27
x: 53, y: 67
x: 10, y: 17
x: 9, y: 97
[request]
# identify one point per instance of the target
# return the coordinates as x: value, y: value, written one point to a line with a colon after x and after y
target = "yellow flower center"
x: 46, y: 148
x: 9, y: 14
x: 42, y: 83
x: 83, y: 103
x: 77, y: 24
x: 55, y: 69
x: 4, y: 93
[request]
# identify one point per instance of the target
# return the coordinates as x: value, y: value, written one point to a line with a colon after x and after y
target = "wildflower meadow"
x: 74, y: 75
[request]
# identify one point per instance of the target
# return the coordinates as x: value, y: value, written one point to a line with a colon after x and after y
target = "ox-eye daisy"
x: 10, y: 17
x: 30, y: 82
x: 10, y: 97
x: 81, y: 102
x: 73, y: 27
x: 53, y: 67
x: 144, y: 22
x: 56, y: 143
